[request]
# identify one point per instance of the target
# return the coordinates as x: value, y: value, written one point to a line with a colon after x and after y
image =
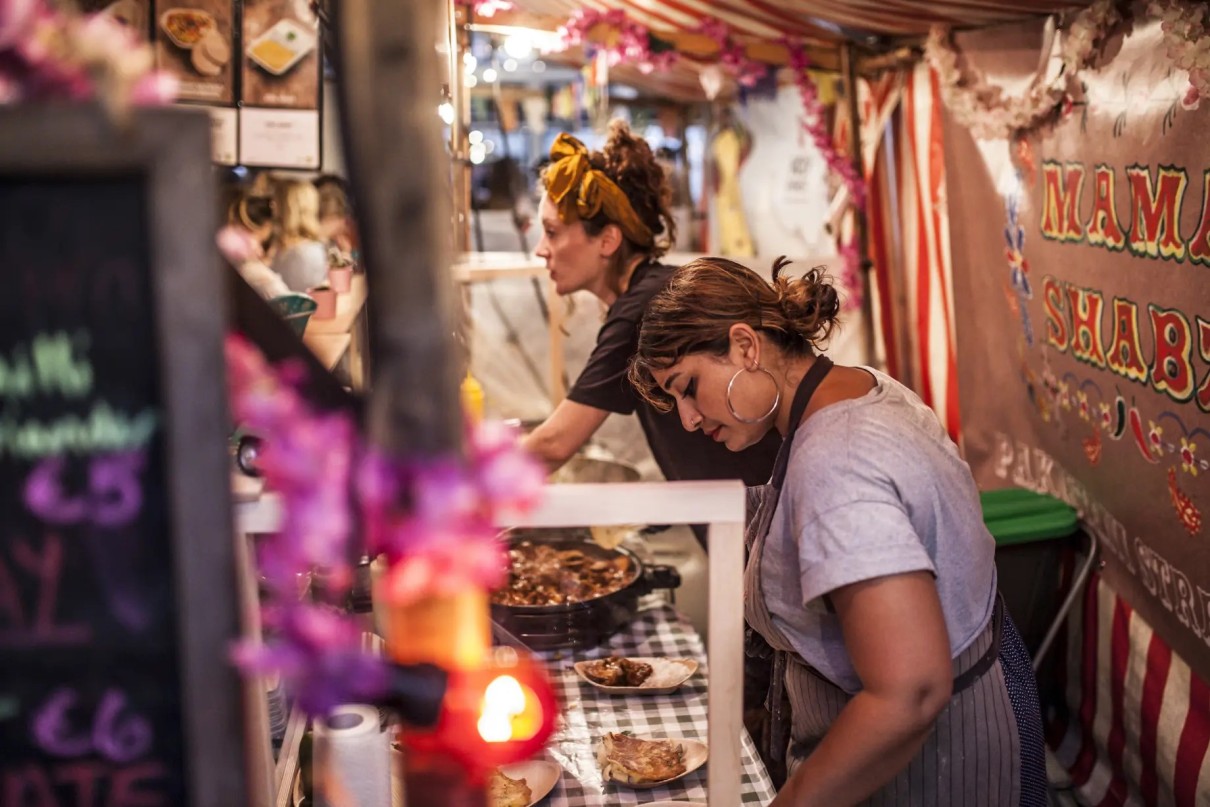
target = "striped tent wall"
x: 1137, y: 724
x: 909, y: 233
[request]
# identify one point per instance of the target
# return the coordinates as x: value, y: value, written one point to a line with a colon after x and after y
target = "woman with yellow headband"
x: 606, y: 222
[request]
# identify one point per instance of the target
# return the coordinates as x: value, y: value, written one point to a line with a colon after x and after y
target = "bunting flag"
x: 1136, y: 725
x: 909, y: 235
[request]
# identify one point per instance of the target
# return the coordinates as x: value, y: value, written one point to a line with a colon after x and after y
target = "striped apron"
x: 986, y: 746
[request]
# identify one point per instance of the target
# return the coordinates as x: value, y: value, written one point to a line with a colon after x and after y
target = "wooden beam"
x: 387, y: 79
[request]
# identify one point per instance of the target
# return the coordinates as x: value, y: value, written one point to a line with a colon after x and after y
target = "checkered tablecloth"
x: 588, y: 713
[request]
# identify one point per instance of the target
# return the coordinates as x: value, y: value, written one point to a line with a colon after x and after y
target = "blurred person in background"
x: 301, y: 256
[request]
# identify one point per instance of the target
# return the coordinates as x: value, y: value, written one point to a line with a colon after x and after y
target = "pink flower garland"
x: 1186, y: 30
x: 816, y: 126
x: 732, y: 55
x: 48, y: 54
x: 434, y: 519
x: 633, y: 45
x: 488, y: 8
x: 983, y: 107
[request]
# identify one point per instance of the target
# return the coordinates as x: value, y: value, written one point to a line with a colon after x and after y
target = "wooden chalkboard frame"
x: 171, y: 149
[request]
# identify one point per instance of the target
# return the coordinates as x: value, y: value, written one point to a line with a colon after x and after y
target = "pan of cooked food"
x: 565, y: 591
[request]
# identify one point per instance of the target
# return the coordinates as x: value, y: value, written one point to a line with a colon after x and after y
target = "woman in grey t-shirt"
x: 870, y: 572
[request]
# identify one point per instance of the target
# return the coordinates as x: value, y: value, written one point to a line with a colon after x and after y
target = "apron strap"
x: 802, y: 396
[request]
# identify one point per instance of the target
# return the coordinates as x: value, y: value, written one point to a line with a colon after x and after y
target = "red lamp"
x: 501, y: 711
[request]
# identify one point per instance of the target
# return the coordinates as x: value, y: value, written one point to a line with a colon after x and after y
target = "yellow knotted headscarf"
x: 574, y: 186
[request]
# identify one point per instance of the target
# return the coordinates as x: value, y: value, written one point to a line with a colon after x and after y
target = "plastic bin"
x: 1031, y: 531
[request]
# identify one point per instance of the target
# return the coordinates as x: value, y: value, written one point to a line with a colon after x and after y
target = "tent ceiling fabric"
x: 820, y: 25
x: 824, y: 20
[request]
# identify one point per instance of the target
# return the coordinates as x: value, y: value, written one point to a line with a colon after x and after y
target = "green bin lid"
x: 1018, y: 516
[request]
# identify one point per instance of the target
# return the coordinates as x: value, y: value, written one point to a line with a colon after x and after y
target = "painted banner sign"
x: 1082, y: 296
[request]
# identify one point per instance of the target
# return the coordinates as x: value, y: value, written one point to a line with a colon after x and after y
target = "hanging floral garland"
x: 488, y: 8
x: 434, y: 519
x: 816, y: 124
x: 631, y: 42
x: 981, y: 106
x: 731, y: 55
x: 1186, y: 32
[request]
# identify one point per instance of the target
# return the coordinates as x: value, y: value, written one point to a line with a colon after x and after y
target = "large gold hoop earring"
x: 772, y: 409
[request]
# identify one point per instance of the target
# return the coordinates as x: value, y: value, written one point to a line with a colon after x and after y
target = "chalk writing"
x: 113, y: 498
x: 49, y: 365
x: 87, y: 784
x: 114, y: 733
x: 102, y: 429
x: 37, y: 623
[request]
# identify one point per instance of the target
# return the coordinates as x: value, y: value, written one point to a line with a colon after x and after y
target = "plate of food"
x: 646, y: 763
x: 282, y: 46
x: 521, y: 784
x: 638, y: 675
x: 185, y: 27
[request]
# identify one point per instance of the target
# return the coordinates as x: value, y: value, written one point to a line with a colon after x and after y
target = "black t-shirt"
x: 680, y: 454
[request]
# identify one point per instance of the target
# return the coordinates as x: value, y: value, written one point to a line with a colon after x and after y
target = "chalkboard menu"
x: 117, y: 588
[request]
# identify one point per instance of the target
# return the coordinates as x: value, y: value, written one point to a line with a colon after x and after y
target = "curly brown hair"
x: 705, y: 297
x: 629, y: 162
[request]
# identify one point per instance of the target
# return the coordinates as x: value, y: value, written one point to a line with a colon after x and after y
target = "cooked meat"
x: 618, y: 672
x: 628, y: 759
x: 505, y: 792
x: 545, y: 575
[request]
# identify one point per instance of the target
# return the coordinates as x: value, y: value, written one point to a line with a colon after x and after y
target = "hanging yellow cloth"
x: 734, y: 237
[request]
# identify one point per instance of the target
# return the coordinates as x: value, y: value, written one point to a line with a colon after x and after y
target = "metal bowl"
x: 584, y: 468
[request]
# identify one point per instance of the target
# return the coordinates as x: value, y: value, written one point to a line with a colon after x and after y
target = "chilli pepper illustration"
x: 1119, y: 422
x: 1186, y: 511
x: 1140, y: 438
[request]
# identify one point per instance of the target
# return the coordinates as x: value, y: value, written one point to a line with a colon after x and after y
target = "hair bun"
x: 810, y: 303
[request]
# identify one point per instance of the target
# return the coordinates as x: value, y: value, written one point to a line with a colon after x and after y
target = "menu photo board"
x: 118, y: 599
x: 280, y: 87
x: 195, y: 42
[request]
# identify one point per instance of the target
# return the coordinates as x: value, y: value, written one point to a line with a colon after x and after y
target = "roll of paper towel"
x: 352, y: 759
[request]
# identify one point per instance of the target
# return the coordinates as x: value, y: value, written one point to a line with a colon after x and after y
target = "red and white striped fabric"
x: 910, y: 245
x: 1138, y: 725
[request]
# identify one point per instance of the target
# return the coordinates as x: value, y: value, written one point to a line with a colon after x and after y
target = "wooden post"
x: 848, y: 67
x: 460, y: 100
x: 387, y: 82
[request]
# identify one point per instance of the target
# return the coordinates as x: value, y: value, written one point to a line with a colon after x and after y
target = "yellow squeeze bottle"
x: 472, y: 398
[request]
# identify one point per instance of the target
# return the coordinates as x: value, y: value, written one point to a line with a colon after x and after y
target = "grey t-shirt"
x: 874, y: 487
x: 303, y: 265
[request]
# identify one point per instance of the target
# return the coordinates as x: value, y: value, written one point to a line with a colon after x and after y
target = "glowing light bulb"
x: 505, y: 694
x: 490, y: 75
x: 495, y: 727
x: 446, y: 112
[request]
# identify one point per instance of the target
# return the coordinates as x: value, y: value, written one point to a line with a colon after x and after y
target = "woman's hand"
x: 895, y: 634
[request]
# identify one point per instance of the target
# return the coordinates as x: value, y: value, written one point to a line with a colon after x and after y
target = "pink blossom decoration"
x: 488, y: 8
x: 319, y: 656
x: 48, y: 54
x: 633, y: 43
x: 433, y: 518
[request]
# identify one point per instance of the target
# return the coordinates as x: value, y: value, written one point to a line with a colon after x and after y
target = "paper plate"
x: 666, y: 675
x: 695, y: 756
x: 540, y: 776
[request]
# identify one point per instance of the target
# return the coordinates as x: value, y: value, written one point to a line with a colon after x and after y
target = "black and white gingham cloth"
x: 588, y: 713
